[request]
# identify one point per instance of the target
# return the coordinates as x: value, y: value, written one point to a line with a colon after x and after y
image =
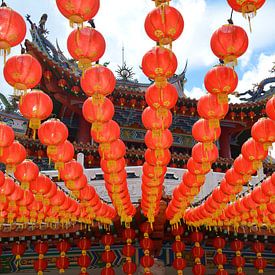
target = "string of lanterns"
x: 219, y: 82
x: 164, y: 25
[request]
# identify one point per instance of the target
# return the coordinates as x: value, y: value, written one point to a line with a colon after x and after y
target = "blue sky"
x: 121, y: 22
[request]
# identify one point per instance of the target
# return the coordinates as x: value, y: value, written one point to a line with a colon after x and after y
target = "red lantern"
x: 101, y: 110
x: 62, y: 263
x: 62, y: 83
x: 112, y: 151
x: 41, y: 248
x: 86, y: 45
x: 112, y: 166
x: 253, y: 150
x: 72, y: 171
x: 64, y: 153
x: 129, y: 268
x: 105, y: 132
x: 161, y: 97
x: 108, y: 256
x: 13, y: 155
x: 160, y: 118
x: 221, y: 80
x: 25, y: 172
x: 98, y: 80
x: 229, y: 42
x: 247, y: 7
x: 209, y: 107
x: 201, y: 154
x: 245, y: 167
x: 147, y: 261
x: 84, y: 244
x: 159, y: 157
x: 270, y: 108
x: 159, y: 64
x: 22, y: 72
x: 264, y: 131
x: 202, y: 131
x: 40, y: 265
x: 48, y: 75
x: 197, y: 168
x: 6, y: 136
x: 158, y: 139
x: 84, y: 261
x: 35, y: 106
x: 199, y: 269
x: 75, y: 89
x: 18, y: 249
x: 179, y: 263
x: 41, y: 186
x: 164, y: 24
x: 52, y: 133
x: 78, y: 11
x: 13, y: 29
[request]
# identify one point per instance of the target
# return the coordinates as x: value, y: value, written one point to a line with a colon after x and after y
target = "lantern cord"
x: 230, y: 20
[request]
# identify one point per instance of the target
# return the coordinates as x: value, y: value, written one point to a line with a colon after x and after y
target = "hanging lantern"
x: 247, y: 7
x: 159, y: 64
x: 264, y: 131
x: 75, y: 89
x: 41, y: 264
x: 201, y: 154
x: 178, y: 247
x: 202, y: 132
x: 98, y: 80
x: 13, y: 30
x: 210, y: 108
x: 160, y: 118
x: 72, y: 171
x: 158, y: 139
x: 112, y: 151
x: 221, y: 80
x: 238, y: 260
x: 229, y: 42
x: 13, y: 155
x: 108, y: 255
x: 86, y: 45
x: 157, y: 157
x: 253, y: 150
x: 22, y: 72
x: 64, y: 153
x: 62, y: 261
x: 51, y: 133
x: 146, y: 243
x: 161, y: 97
x: 197, y: 252
x: 40, y: 186
x: 105, y: 132
x: 78, y: 11
x: 26, y: 172
x: 6, y: 136
x: 35, y: 106
x: 270, y: 108
x: 219, y: 258
x: 101, y: 110
x: 259, y: 263
x: 62, y: 83
x: 18, y: 249
x: 47, y: 75
x: 129, y: 250
x: 164, y: 24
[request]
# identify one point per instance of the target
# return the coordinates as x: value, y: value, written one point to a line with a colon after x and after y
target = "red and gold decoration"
x: 197, y: 252
x: 108, y: 255
x: 62, y: 262
x: 129, y: 251
x: 84, y: 260
x: 220, y: 258
x: 13, y: 29
x: 238, y: 261
x: 259, y: 263
x: 178, y: 247
x: 18, y: 249
x: 146, y: 261
x: 41, y: 248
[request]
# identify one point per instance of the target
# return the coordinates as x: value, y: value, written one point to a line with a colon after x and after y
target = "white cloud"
x: 257, y: 73
x: 195, y: 92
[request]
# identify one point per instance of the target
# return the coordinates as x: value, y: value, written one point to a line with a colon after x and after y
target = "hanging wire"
x: 230, y: 20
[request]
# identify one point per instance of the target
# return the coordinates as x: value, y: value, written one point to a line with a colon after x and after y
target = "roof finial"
x: 123, y: 54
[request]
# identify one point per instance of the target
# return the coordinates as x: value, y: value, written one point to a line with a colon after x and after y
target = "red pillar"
x: 83, y: 133
x: 225, y: 138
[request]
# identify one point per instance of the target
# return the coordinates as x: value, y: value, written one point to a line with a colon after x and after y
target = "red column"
x: 225, y: 138
x: 83, y: 133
